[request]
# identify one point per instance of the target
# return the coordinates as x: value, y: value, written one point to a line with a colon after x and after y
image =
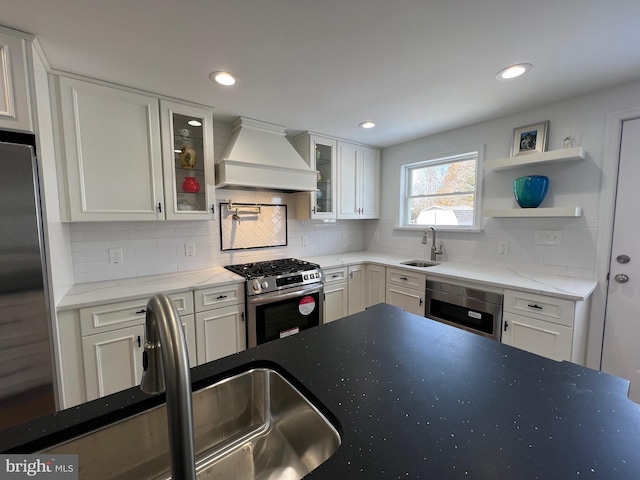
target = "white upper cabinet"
x: 14, y: 93
x: 358, y: 181
x: 117, y: 164
x: 112, y: 153
x: 187, y: 148
x: 320, y: 154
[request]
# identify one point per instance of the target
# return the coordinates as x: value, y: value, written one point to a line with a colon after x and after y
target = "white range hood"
x: 259, y: 156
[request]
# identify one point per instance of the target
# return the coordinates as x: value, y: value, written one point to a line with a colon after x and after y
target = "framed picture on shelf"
x: 529, y: 139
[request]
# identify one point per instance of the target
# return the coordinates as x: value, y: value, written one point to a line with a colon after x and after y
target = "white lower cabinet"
x: 357, y: 289
x: 220, y: 322
x: 375, y: 284
x: 406, y: 289
x: 336, y: 298
x: 113, y: 339
x: 551, y: 327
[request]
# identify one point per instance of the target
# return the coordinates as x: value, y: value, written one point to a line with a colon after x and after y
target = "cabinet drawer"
x: 335, y: 275
x: 104, y: 318
x: 220, y: 296
x: 407, y: 278
x: 550, y: 309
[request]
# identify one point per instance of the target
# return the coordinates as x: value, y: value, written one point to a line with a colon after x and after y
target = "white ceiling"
x: 416, y: 67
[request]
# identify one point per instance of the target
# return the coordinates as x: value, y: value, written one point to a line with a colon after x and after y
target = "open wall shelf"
x: 533, y: 212
x: 574, y: 154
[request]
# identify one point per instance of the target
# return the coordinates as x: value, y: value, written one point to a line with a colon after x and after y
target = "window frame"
x: 436, y: 159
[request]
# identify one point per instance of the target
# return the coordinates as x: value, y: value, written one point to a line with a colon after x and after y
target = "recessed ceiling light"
x: 223, y: 78
x: 195, y: 123
x: 368, y: 124
x: 513, y: 71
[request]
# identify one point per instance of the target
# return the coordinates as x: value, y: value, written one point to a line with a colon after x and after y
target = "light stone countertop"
x: 96, y: 293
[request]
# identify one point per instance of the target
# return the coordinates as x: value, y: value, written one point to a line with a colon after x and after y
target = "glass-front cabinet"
x: 188, y: 161
x: 320, y: 153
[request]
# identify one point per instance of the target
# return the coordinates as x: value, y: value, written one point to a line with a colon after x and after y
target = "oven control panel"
x: 280, y: 282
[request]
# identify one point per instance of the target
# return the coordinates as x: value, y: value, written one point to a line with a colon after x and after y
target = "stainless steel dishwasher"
x: 474, y: 310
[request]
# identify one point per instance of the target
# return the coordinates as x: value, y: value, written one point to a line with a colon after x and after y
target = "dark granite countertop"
x: 413, y: 398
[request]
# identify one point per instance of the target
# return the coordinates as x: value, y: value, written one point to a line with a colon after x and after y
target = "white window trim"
x: 477, y: 214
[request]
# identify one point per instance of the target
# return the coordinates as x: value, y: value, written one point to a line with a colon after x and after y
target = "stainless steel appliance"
x: 476, y: 311
x: 283, y: 297
x: 26, y: 373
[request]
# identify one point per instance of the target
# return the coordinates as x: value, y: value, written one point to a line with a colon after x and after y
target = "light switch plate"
x: 190, y: 249
x: 503, y: 247
x: 115, y: 256
x: 548, y: 237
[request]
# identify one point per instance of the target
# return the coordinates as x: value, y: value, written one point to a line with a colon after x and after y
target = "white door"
x: 621, y: 347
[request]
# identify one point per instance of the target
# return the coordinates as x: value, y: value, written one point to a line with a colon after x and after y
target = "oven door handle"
x: 277, y: 296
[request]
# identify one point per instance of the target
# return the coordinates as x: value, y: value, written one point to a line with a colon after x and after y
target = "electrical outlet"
x: 503, y: 247
x: 305, y: 240
x: 376, y: 237
x: 345, y: 237
x: 115, y: 256
x: 190, y: 249
x: 548, y: 237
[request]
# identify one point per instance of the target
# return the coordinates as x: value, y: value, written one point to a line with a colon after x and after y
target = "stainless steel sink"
x: 420, y: 263
x: 255, y: 425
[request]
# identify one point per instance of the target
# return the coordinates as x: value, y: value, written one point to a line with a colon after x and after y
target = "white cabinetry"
x: 552, y: 327
x: 375, y: 284
x: 14, y: 93
x: 406, y: 289
x: 336, y: 298
x: 320, y: 154
x: 112, y: 153
x: 220, y: 322
x: 113, y: 341
x: 358, y: 181
x: 113, y: 159
x: 357, y: 289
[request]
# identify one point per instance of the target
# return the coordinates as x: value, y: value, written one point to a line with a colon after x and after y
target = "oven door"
x: 283, y: 313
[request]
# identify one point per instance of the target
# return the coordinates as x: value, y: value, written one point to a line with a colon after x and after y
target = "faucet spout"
x: 165, y: 363
x: 434, y: 249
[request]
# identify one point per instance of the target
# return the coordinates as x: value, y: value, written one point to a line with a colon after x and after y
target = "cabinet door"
x: 348, y: 157
x: 537, y: 336
x: 375, y: 284
x: 406, y: 298
x: 356, y: 289
x: 369, y: 179
x: 188, y: 161
x: 189, y: 329
x: 112, y: 361
x: 112, y: 150
x: 336, y: 304
x: 14, y: 94
x: 220, y: 332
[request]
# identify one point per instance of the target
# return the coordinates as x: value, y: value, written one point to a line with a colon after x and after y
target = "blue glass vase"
x: 530, y: 190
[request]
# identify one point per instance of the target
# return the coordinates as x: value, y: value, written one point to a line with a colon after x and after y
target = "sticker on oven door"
x: 475, y: 315
x: 288, y: 333
x: 307, y: 305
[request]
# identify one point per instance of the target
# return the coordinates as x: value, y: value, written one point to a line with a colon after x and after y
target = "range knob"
x: 265, y: 284
x: 256, y: 287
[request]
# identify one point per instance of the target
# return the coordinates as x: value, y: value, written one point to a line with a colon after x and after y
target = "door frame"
x: 606, y: 210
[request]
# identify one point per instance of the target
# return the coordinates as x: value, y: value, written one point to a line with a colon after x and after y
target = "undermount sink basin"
x: 255, y: 425
x: 420, y: 263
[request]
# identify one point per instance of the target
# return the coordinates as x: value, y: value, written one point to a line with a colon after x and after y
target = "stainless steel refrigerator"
x: 26, y: 372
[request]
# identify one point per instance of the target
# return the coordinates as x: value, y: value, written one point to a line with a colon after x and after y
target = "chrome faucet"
x: 166, y: 366
x: 434, y: 249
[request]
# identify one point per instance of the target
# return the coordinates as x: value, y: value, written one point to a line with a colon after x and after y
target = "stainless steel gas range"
x: 283, y: 297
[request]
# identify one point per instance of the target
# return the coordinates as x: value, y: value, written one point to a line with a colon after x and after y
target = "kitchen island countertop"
x: 414, y: 398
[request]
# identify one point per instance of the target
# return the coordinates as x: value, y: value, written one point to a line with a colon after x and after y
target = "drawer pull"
x: 220, y: 297
x: 404, y: 278
x: 537, y: 307
x: 335, y: 275
x: 144, y: 310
